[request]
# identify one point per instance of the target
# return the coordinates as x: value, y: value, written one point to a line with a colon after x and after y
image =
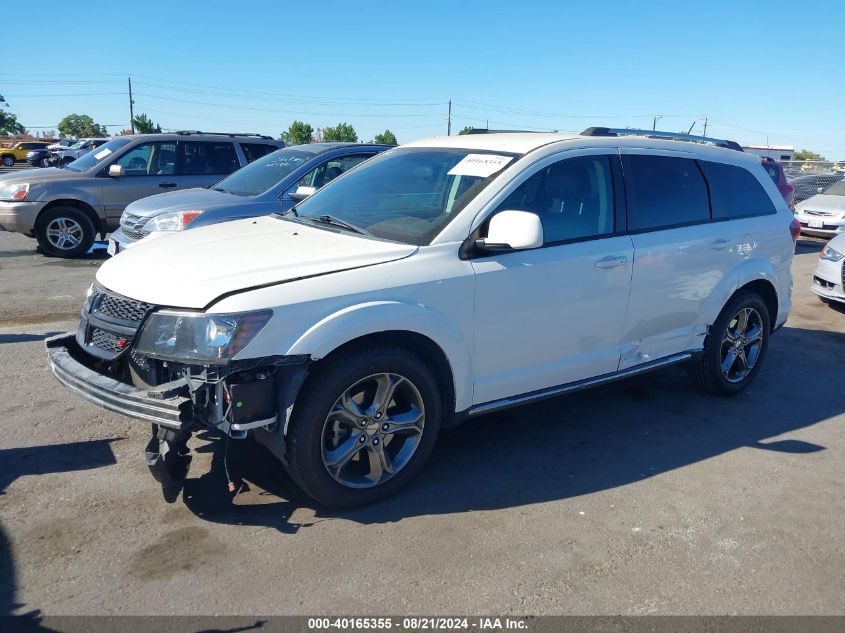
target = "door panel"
x: 549, y: 316
x: 149, y: 168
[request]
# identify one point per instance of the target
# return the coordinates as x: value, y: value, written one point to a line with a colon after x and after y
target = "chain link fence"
x: 812, y: 177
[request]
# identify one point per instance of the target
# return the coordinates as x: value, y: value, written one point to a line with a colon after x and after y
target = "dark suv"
x: 65, y: 209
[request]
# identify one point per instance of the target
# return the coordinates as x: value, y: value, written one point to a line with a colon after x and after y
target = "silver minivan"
x: 64, y: 209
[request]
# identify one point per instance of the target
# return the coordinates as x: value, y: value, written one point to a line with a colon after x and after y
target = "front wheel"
x: 735, y: 346
x: 64, y: 232
x: 44, y: 162
x: 363, y: 425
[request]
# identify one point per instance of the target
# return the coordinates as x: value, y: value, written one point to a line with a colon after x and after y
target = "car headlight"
x: 14, y: 192
x: 174, y: 221
x: 205, y: 338
x: 830, y: 254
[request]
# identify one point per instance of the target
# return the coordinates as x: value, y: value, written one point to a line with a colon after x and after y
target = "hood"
x: 35, y: 176
x: 193, y: 268
x: 822, y: 202
x: 197, y: 198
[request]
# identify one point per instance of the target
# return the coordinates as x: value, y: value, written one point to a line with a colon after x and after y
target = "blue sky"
x: 760, y: 71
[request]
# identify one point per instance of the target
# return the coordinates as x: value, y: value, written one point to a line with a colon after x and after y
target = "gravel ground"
x: 642, y: 497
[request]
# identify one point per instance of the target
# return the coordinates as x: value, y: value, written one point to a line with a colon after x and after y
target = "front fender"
x: 356, y: 321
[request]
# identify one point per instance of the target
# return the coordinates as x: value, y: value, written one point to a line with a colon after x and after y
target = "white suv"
x: 440, y: 280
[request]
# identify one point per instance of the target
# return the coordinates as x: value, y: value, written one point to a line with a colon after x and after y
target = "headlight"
x: 175, y: 221
x: 830, y: 254
x: 206, y: 338
x: 14, y: 191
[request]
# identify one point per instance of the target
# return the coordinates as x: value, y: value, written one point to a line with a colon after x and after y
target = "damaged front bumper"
x: 160, y: 407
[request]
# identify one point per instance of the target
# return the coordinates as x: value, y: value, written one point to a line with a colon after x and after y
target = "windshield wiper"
x: 220, y: 189
x: 335, y: 221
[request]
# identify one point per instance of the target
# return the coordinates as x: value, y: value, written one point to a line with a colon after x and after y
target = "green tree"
x: 387, y: 138
x: 340, y: 132
x: 466, y: 130
x: 806, y: 154
x: 144, y: 125
x: 9, y: 122
x: 299, y: 133
x: 80, y: 125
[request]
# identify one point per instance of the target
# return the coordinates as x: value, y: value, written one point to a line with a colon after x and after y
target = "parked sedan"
x: 271, y: 184
x: 829, y: 276
x: 810, y: 185
x: 823, y: 214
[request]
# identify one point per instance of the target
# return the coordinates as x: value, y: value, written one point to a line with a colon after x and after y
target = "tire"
x: 44, y: 162
x: 318, y: 426
x: 707, y: 370
x: 64, y: 232
x: 8, y: 161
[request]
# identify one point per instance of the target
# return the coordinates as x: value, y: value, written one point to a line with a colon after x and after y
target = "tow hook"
x: 169, y: 466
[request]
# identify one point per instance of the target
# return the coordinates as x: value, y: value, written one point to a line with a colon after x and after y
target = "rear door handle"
x: 167, y: 185
x: 612, y: 261
x: 720, y: 245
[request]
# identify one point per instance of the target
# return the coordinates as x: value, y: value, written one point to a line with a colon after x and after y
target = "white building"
x: 776, y: 152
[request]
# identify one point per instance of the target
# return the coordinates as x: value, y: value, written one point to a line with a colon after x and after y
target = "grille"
x: 133, y: 233
x: 105, y: 340
x: 122, y: 308
x: 133, y: 226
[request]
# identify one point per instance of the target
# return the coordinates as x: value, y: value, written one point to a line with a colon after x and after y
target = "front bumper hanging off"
x: 160, y: 407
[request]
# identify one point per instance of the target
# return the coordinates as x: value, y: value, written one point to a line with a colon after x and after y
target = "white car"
x: 823, y: 214
x: 829, y: 276
x: 439, y: 281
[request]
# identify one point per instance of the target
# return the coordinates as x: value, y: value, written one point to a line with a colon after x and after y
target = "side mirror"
x: 512, y: 231
x: 116, y: 171
x: 303, y: 192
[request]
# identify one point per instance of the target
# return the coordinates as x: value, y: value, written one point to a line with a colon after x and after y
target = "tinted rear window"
x: 735, y: 192
x: 664, y: 191
x: 253, y: 151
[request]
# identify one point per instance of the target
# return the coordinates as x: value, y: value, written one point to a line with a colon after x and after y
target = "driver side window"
x: 573, y: 198
x: 149, y: 159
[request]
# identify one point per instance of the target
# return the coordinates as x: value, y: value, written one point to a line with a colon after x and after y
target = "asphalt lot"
x: 642, y: 497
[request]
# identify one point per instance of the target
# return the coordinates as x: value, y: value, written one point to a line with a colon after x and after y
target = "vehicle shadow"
x: 25, y: 338
x: 561, y: 448
x: 40, y: 460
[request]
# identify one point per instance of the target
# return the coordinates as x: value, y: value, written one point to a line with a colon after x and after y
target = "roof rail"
x: 484, y: 130
x: 251, y: 134
x: 676, y: 136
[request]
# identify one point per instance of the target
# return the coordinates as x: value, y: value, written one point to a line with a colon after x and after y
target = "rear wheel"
x: 735, y: 346
x: 8, y: 160
x: 64, y: 232
x: 363, y: 425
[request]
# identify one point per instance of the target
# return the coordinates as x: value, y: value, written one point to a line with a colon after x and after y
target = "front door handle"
x: 720, y: 244
x: 612, y: 261
x: 167, y: 185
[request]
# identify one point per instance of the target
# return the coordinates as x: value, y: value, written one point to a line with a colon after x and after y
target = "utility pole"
x: 705, y: 127
x: 131, y: 107
x: 449, y: 120
x: 657, y: 117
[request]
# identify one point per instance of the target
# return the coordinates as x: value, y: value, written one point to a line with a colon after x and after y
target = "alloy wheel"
x: 741, y: 345
x: 64, y: 233
x: 373, y: 430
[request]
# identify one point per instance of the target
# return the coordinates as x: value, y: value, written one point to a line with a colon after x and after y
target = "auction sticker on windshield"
x: 102, y: 154
x: 481, y: 165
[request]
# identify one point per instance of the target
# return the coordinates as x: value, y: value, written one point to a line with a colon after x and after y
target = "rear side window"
x: 252, y: 151
x: 735, y: 192
x: 203, y: 158
x: 664, y: 191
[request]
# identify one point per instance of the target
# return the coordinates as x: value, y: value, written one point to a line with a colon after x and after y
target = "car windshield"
x: 77, y: 145
x: 261, y: 174
x: 406, y: 195
x: 98, y: 155
x: 836, y: 189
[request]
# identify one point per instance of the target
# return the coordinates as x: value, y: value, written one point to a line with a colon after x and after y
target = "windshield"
x: 77, y: 145
x: 408, y: 194
x: 261, y: 174
x: 836, y: 189
x: 97, y: 155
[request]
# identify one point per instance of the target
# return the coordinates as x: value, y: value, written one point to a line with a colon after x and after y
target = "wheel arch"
x: 414, y: 326
x: 77, y: 204
x: 767, y: 291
